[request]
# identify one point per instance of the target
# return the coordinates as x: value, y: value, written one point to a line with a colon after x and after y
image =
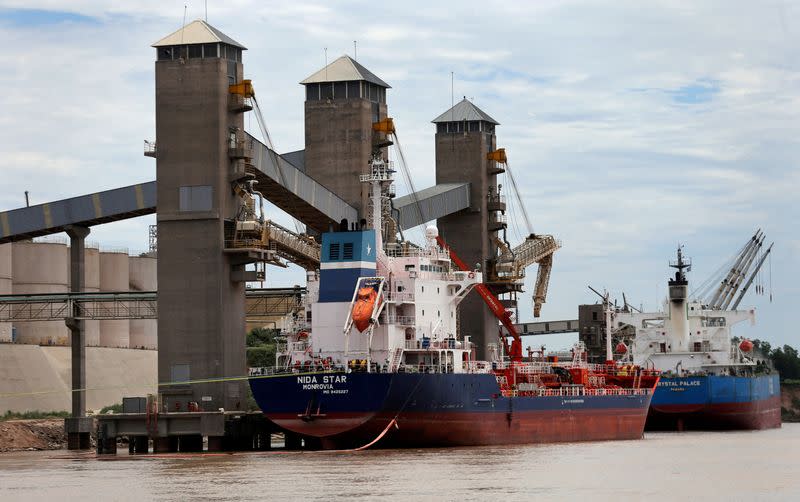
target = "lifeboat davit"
x: 363, y: 307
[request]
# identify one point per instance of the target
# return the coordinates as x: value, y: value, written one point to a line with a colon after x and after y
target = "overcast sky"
x: 632, y: 126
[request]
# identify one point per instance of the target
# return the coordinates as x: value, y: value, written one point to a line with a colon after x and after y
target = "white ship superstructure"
x: 687, y: 336
x: 413, y: 318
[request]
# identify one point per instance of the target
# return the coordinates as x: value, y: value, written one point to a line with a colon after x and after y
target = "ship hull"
x: 439, y: 410
x: 716, y: 403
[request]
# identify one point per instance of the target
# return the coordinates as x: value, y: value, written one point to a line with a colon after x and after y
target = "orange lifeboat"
x: 363, y: 307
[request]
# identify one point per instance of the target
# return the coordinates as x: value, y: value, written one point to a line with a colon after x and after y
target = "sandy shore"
x: 39, y: 434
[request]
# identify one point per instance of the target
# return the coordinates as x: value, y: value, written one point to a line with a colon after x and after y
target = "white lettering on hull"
x: 324, y: 383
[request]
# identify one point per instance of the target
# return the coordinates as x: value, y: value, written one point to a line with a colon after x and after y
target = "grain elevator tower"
x: 464, y: 137
x: 200, y: 153
x: 343, y: 100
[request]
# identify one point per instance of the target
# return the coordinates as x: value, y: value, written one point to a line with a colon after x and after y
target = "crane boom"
x: 500, y: 312
x: 752, y: 276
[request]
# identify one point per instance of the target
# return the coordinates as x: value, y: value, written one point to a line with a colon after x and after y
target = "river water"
x: 726, y: 466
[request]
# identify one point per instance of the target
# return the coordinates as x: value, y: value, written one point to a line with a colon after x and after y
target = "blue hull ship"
x: 348, y: 410
x: 716, y: 402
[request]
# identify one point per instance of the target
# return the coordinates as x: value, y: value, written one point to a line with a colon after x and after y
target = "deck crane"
x: 511, y: 263
x: 745, y: 266
x: 500, y: 312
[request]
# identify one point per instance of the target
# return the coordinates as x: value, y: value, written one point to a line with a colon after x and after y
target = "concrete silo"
x: 143, y: 277
x: 114, y: 277
x: 37, y: 268
x: 92, y: 285
x: 5, y: 287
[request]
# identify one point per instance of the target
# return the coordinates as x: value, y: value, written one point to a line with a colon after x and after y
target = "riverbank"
x: 48, y: 433
x: 32, y: 435
x: 790, y: 402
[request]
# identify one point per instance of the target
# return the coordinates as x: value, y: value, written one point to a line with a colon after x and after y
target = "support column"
x: 78, y: 426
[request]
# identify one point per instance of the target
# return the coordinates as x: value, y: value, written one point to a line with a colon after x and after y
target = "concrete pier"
x: 78, y: 427
x: 185, y: 432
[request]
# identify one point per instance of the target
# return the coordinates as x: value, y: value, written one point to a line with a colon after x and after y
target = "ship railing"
x: 399, y: 297
x: 534, y: 368
x: 402, y: 320
x: 263, y: 371
x: 615, y: 370
x: 298, y: 346
x: 575, y: 391
x: 415, y: 252
x: 478, y: 367
x: 425, y: 368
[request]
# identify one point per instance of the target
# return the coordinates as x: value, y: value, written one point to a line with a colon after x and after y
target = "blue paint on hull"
x: 439, y: 409
x: 716, y: 402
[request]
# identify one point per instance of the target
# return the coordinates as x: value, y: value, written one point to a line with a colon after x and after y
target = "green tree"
x: 261, y: 347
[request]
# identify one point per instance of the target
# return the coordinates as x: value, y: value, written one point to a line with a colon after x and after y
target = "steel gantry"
x: 261, y: 303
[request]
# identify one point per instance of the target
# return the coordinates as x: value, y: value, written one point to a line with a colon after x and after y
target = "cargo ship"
x: 375, y: 356
x: 709, y: 381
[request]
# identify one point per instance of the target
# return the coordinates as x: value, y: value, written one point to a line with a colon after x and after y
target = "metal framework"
x: 261, y: 303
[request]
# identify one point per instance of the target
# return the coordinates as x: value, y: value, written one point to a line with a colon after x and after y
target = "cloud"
x: 629, y: 129
x: 31, y: 18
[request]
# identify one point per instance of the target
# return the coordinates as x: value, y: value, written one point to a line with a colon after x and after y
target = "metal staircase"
x: 394, y: 362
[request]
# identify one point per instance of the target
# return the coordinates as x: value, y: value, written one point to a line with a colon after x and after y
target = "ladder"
x: 397, y: 356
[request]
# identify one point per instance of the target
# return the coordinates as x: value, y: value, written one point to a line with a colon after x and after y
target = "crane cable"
x: 515, y: 189
x: 262, y: 125
x: 407, y: 179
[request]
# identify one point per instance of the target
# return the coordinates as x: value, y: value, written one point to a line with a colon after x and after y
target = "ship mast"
x: 678, y: 293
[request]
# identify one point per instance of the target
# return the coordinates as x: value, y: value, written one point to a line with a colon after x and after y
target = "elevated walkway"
x: 434, y: 202
x: 261, y: 304
x: 85, y: 210
x: 295, y: 192
x: 546, y: 327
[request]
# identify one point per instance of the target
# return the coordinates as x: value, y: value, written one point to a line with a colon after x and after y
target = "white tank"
x: 92, y: 285
x: 5, y: 287
x: 40, y: 267
x: 114, y: 277
x: 143, y: 277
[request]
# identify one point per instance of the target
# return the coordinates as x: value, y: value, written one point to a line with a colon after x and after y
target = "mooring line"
x: 162, y: 384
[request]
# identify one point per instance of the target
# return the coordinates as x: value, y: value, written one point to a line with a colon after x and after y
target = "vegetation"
x: 261, y: 347
x: 785, y: 360
x: 33, y: 415
x: 115, y: 408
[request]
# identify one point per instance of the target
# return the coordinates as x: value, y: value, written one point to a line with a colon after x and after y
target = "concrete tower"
x: 343, y: 100
x: 464, y: 137
x: 200, y: 151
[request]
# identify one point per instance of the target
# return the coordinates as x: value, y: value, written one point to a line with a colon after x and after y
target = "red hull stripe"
x: 470, y: 429
x: 753, y: 415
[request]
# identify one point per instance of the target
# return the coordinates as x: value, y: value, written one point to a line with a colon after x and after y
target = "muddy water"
x: 689, y: 466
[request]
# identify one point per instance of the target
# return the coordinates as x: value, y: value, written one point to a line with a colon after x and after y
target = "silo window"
x: 164, y: 53
x: 312, y: 92
x: 339, y: 90
x: 210, y: 51
x: 195, y: 51
x: 326, y: 90
x: 179, y: 372
x: 353, y: 90
x: 195, y: 198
